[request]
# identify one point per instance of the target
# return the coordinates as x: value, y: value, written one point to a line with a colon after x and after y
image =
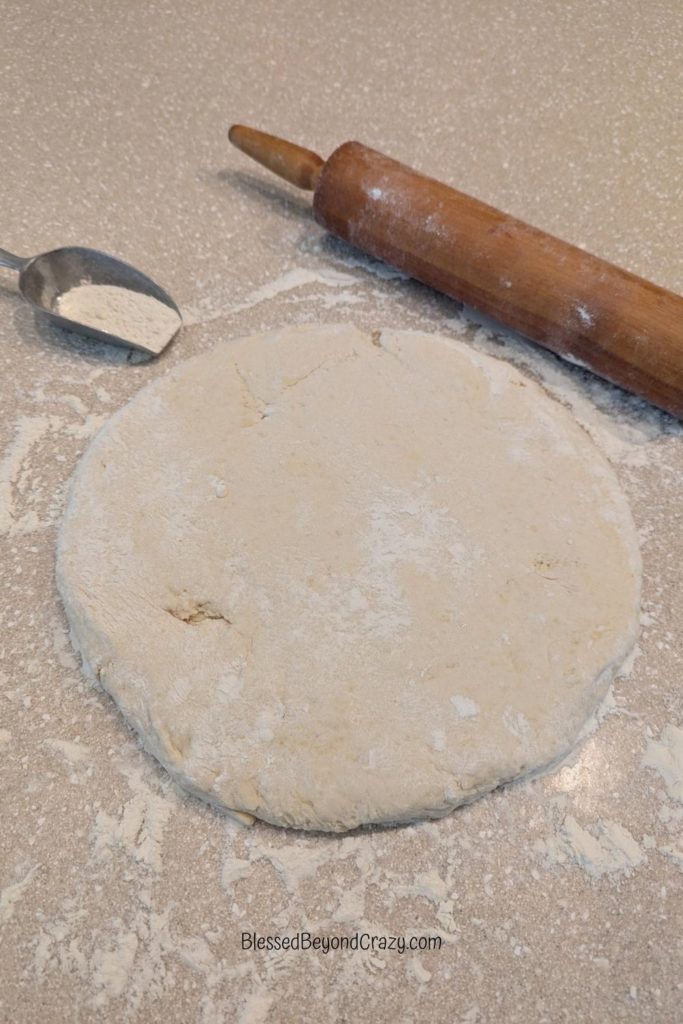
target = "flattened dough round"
x: 333, y: 578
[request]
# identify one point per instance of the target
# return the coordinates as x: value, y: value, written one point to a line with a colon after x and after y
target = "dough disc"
x: 333, y: 579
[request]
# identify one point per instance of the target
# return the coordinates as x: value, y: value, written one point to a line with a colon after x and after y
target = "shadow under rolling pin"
x: 583, y: 308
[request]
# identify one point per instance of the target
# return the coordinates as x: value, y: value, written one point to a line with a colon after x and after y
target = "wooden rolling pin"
x: 618, y: 325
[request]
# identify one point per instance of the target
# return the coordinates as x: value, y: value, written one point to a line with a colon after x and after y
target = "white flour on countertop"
x: 26, y: 505
x: 604, y: 847
x: 138, y: 830
x: 665, y: 756
x: 621, y: 424
x: 138, y: 318
x: 11, y: 895
x: 208, y: 309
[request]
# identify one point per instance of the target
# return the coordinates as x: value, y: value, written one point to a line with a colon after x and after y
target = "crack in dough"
x: 192, y: 612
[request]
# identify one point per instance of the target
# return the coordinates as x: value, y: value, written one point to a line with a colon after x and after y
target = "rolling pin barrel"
x: 585, y: 309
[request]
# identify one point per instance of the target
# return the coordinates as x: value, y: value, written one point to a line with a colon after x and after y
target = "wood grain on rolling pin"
x: 619, y: 325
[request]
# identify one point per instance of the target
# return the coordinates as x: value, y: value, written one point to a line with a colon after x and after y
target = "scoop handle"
x: 8, y: 259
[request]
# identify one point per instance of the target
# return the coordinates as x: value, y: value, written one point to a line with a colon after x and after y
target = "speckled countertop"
x: 122, y: 899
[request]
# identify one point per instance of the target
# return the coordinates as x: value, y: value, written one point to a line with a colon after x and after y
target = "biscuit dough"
x: 334, y: 578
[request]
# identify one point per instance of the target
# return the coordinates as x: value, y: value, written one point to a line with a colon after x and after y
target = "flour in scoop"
x: 140, y: 319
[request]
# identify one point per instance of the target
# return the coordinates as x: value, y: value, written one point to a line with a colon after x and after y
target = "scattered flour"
x: 257, y: 1007
x: 139, y: 319
x: 26, y: 506
x: 384, y: 271
x: 673, y: 853
x: 622, y: 425
x: 29, y: 430
x: 465, y: 707
x: 234, y: 868
x: 295, y: 862
x: 73, y: 752
x: 585, y: 316
x: 139, y: 829
x: 665, y: 756
x: 431, y: 886
x: 209, y: 309
x: 298, y: 278
x: 602, y: 848
x: 111, y: 967
x: 351, y: 909
x: 11, y: 894
x: 420, y: 973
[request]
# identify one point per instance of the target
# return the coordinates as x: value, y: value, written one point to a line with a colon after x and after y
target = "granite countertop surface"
x: 121, y: 898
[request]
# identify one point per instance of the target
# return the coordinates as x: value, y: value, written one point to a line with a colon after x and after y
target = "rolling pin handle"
x: 298, y: 166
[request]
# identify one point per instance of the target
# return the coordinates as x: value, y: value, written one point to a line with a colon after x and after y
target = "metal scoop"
x: 123, y: 306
